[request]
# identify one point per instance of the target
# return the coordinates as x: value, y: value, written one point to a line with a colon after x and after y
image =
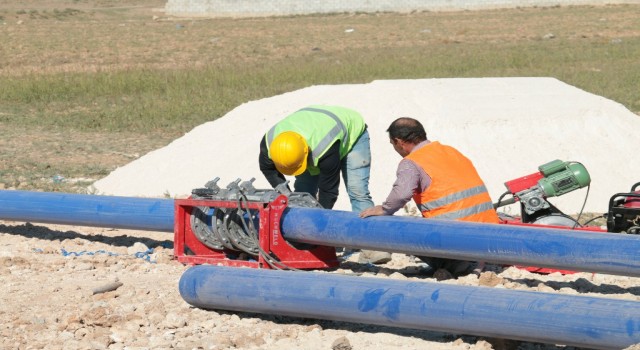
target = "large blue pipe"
x: 88, y: 210
x: 611, y: 253
x: 529, y: 316
x: 507, y: 244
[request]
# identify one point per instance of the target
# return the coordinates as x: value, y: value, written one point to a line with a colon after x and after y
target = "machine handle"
x: 617, y: 195
x: 502, y: 203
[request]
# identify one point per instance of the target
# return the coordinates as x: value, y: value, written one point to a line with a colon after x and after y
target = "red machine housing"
x: 189, y: 250
x: 523, y: 183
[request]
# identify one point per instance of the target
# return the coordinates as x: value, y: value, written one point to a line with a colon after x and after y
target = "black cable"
x: 275, y: 263
x: 219, y: 217
x: 586, y: 196
x: 252, y: 242
x: 560, y: 213
x: 497, y: 205
x: 594, y: 219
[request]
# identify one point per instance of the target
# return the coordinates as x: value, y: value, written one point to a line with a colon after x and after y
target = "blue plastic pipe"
x: 528, y: 316
x: 147, y: 214
x: 611, y: 253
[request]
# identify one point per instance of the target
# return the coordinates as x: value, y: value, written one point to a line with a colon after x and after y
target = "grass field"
x: 89, y: 85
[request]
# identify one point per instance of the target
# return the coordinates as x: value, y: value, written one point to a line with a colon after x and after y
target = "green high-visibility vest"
x: 321, y: 126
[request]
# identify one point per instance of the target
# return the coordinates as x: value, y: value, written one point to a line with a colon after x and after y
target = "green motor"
x: 562, y: 177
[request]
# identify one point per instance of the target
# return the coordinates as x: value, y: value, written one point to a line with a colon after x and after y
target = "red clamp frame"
x: 189, y: 250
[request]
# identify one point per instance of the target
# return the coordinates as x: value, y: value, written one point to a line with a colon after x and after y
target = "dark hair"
x: 408, y: 130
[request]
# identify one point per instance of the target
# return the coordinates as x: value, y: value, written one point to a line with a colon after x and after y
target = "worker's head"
x: 404, y: 134
x: 289, y: 152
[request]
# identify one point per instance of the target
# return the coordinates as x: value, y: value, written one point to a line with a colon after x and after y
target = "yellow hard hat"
x: 289, y: 152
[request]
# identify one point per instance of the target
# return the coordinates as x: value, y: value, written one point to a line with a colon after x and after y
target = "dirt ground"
x: 70, y: 287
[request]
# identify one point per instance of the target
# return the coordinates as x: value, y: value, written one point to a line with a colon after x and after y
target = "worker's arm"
x: 267, y: 166
x: 409, y: 179
x: 329, y: 181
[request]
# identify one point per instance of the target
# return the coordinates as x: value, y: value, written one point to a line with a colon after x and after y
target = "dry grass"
x: 107, y: 39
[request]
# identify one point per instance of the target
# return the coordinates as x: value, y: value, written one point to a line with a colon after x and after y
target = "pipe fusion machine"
x: 240, y: 226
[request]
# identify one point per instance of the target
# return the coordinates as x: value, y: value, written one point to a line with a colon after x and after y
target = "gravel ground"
x: 95, y: 288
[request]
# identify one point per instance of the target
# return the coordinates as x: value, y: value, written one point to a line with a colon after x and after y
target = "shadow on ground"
x: 29, y: 230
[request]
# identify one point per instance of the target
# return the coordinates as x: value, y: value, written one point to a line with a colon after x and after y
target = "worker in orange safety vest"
x: 443, y: 183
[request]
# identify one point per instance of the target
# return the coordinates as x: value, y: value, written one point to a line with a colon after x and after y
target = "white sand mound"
x: 506, y: 126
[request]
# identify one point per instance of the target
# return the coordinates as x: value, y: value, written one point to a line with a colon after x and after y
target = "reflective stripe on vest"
x: 331, y: 135
x: 454, y: 197
x: 456, y: 191
x: 463, y: 213
x: 326, y: 141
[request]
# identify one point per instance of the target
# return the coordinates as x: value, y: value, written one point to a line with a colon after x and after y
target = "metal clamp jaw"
x: 245, y: 190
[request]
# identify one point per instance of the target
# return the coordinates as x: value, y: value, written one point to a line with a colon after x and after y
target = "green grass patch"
x: 176, y: 100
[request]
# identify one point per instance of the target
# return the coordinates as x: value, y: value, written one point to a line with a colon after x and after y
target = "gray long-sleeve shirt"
x: 410, y: 179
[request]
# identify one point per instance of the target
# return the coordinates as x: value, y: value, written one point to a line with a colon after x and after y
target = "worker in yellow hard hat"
x: 316, y: 144
x: 289, y: 152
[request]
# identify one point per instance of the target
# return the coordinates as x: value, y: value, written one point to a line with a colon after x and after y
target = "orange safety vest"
x: 456, y: 192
